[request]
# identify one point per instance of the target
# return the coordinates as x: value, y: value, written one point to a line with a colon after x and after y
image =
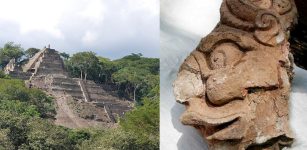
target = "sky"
x: 195, y: 17
x: 183, y: 24
x: 110, y: 28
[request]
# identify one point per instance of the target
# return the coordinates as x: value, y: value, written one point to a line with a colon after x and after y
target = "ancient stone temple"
x: 235, y: 85
x: 80, y: 103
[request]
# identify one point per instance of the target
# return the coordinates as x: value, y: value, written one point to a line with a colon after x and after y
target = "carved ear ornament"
x: 244, y: 41
x: 261, y: 17
x: 268, y: 29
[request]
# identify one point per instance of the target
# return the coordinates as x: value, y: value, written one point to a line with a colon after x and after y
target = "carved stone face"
x: 236, y: 84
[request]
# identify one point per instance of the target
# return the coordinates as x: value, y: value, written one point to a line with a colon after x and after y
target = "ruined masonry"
x: 46, y: 71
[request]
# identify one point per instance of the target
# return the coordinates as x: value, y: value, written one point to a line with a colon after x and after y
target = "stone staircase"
x: 106, y: 96
x: 69, y: 86
x: 51, y: 63
x: 102, y: 96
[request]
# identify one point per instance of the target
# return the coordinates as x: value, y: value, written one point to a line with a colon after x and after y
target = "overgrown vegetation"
x: 27, y: 115
x: 9, y: 51
x: 137, y: 77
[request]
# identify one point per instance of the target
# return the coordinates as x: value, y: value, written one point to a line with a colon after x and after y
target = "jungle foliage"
x: 27, y: 115
x: 137, y: 77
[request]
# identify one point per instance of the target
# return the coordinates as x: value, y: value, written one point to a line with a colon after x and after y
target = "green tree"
x: 64, y: 55
x: 10, y: 51
x: 44, y: 135
x: 107, y: 68
x: 85, y: 63
x: 132, y: 77
x: 114, y: 139
x: 30, y: 52
x: 5, y: 142
x: 137, y: 75
x: 143, y: 121
x: 15, y: 126
x: 16, y: 90
x: 3, y: 75
x: 23, y: 121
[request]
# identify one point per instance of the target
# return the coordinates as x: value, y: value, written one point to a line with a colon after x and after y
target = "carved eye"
x: 224, y: 55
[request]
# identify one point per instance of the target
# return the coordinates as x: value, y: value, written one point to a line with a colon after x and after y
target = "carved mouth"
x: 221, y: 130
x: 225, y: 122
x: 252, y: 90
x: 212, y: 129
x: 232, y: 130
x: 216, y: 122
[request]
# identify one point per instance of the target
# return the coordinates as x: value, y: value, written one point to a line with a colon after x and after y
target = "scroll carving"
x: 236, y: 83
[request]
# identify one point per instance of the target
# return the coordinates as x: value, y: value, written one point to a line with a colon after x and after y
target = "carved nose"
x: 223, y: 88
x: 234, y: 84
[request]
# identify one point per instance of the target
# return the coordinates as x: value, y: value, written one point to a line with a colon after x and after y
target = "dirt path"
x: 65, y: 116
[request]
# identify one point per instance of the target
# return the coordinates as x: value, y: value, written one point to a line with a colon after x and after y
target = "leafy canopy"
x: 10, y: 51
x: 30, y: 52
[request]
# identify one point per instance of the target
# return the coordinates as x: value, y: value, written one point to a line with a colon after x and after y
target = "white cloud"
x: 89, y: 38
x: 34, y: 15
x: 191, y: 15
x: 113, y: 28
x: 150, y: 6
x: 94, y: 11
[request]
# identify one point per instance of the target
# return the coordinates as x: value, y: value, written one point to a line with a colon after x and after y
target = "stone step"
x: 96, y: 91
x: 67, y: 80
x: 66, y: 85
x: 107, y: 100
x: 112, y: 102
x: 54, y: 61
x: 50, y: 69
x: 67, y: 90
x: 100, y: 98
x: 101, y: 86
x: 50, y: 65
x: 80, y: 97
x: 100, y: 90
x: 46, y: 72
x: 74, y: 94
x: 119, y: 107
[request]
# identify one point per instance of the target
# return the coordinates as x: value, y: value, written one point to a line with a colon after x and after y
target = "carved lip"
x: 221, y: 129
x: 194, y: 118
x: 217, y: 122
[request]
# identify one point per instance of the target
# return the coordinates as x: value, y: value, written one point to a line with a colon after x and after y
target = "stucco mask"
x: 236, y: 83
